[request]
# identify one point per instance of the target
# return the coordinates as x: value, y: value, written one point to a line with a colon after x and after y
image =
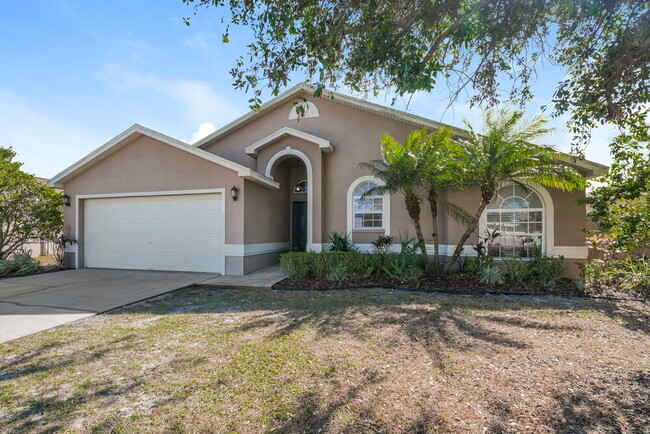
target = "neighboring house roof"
x: 137, y: 131
x: 590, y: 168
x: 46, y: 181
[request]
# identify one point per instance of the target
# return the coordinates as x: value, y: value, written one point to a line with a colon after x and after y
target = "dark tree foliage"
x: 622, y: 205
x: 492, y: 49
x: 28, y: 208
x: 478, y: 45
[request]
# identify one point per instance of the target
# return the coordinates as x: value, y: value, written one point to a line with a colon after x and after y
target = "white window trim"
x: 350, y: 206
x: 548, y: 224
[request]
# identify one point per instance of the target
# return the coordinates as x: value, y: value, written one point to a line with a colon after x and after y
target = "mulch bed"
x: 454, y: 283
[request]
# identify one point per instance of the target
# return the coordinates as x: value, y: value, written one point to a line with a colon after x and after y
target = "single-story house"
x: 272, y: 181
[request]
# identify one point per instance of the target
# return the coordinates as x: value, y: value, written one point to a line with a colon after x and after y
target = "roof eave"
x: 136, y: 131
x: 591, y: 168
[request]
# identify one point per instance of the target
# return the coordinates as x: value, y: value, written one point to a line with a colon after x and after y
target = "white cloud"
x: 198, y: 99
x: 205, y: 129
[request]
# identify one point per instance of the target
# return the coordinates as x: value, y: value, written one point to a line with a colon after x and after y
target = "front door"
x: 299, y: 226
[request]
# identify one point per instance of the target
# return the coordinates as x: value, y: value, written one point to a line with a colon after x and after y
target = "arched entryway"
x: 294, y: 166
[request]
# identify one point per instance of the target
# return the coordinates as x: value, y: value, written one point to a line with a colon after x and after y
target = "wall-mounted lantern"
x: 233, y: 192
x: 66, y: 200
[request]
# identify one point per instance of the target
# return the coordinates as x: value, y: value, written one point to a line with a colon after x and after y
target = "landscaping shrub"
x: 579, y: 283
x: 337, y: 272
x: 518, y: 269
x: 24, y: 263
x: 341, y: 243
x: 383, y: 243
x: 491, y: 275
x: 405, y: 266
x: 475, y: 265
x: 635, y: 274
x: 408, y: 263
x: 341, y: 265
x: 631, y: 274
x: 546, y: 269
x: 6, y: 267
x: 298, y: 265
x: 597, y: 273
x: 19, y: 264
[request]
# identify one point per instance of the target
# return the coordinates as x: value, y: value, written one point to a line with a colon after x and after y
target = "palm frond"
x: 456, y: 212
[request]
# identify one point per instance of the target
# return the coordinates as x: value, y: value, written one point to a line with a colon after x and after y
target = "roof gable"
x: 589, y: 168
x: 136, y: 131
x: 323, y: 144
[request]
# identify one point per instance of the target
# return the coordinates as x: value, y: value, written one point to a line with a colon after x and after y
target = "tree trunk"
x: 433, y: 205
x: 413, y: 208
x: 486, y: 197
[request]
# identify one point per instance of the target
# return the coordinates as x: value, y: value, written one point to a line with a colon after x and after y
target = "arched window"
x: 369, y: 212
x: 300, y: 187
x: 517, y: 213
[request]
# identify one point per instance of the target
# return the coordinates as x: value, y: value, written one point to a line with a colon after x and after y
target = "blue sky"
x: 76, y: 73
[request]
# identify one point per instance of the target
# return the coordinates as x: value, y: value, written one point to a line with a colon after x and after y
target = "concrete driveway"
x: 35, y: 303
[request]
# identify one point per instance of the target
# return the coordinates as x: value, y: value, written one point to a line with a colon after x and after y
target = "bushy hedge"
x: 408, y: 264
x: 19, y: 264
x: 298, y: 265
x: 540, y: 269
x: 627, y: 274
x: 341, y: 265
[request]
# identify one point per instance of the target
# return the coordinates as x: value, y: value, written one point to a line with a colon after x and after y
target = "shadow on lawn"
x: 432, y: 322
x: 617, y: 404
x: 33, y: 413
x: 438, y: 323
x: 621, y: 404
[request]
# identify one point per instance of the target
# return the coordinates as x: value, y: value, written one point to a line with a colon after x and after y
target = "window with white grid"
x: 369, y: 212
x: 517, y: 213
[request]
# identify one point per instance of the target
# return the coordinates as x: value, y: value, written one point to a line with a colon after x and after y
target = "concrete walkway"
x: 35, y: 303
x: 261, y: 279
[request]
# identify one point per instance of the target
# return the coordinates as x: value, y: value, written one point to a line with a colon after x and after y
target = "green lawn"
x: 339, y: 361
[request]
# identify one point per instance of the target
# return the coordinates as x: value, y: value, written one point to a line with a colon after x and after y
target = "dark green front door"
x: 299, y: 226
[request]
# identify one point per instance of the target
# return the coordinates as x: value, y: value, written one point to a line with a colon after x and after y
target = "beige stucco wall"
x: 263, y: 215
x: 318, y: 187
x: 266, y: 213
x: 355, y: 135
x: 569, y: 217
x: 148, y: 165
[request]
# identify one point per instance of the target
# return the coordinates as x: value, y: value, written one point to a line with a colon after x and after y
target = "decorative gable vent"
x: 310, y: 111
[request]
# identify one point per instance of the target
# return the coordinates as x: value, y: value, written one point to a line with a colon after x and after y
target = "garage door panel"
x: 180, y: 233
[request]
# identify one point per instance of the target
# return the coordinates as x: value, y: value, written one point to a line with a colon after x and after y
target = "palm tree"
x: 440, y: 173
x: 401, y: 171
x: 504, y: 154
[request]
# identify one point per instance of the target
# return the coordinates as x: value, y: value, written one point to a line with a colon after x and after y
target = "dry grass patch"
x: 46, y: 260
x: 337, y: 361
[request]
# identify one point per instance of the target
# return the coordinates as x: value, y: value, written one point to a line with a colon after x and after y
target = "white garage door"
x: 177, y: 233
